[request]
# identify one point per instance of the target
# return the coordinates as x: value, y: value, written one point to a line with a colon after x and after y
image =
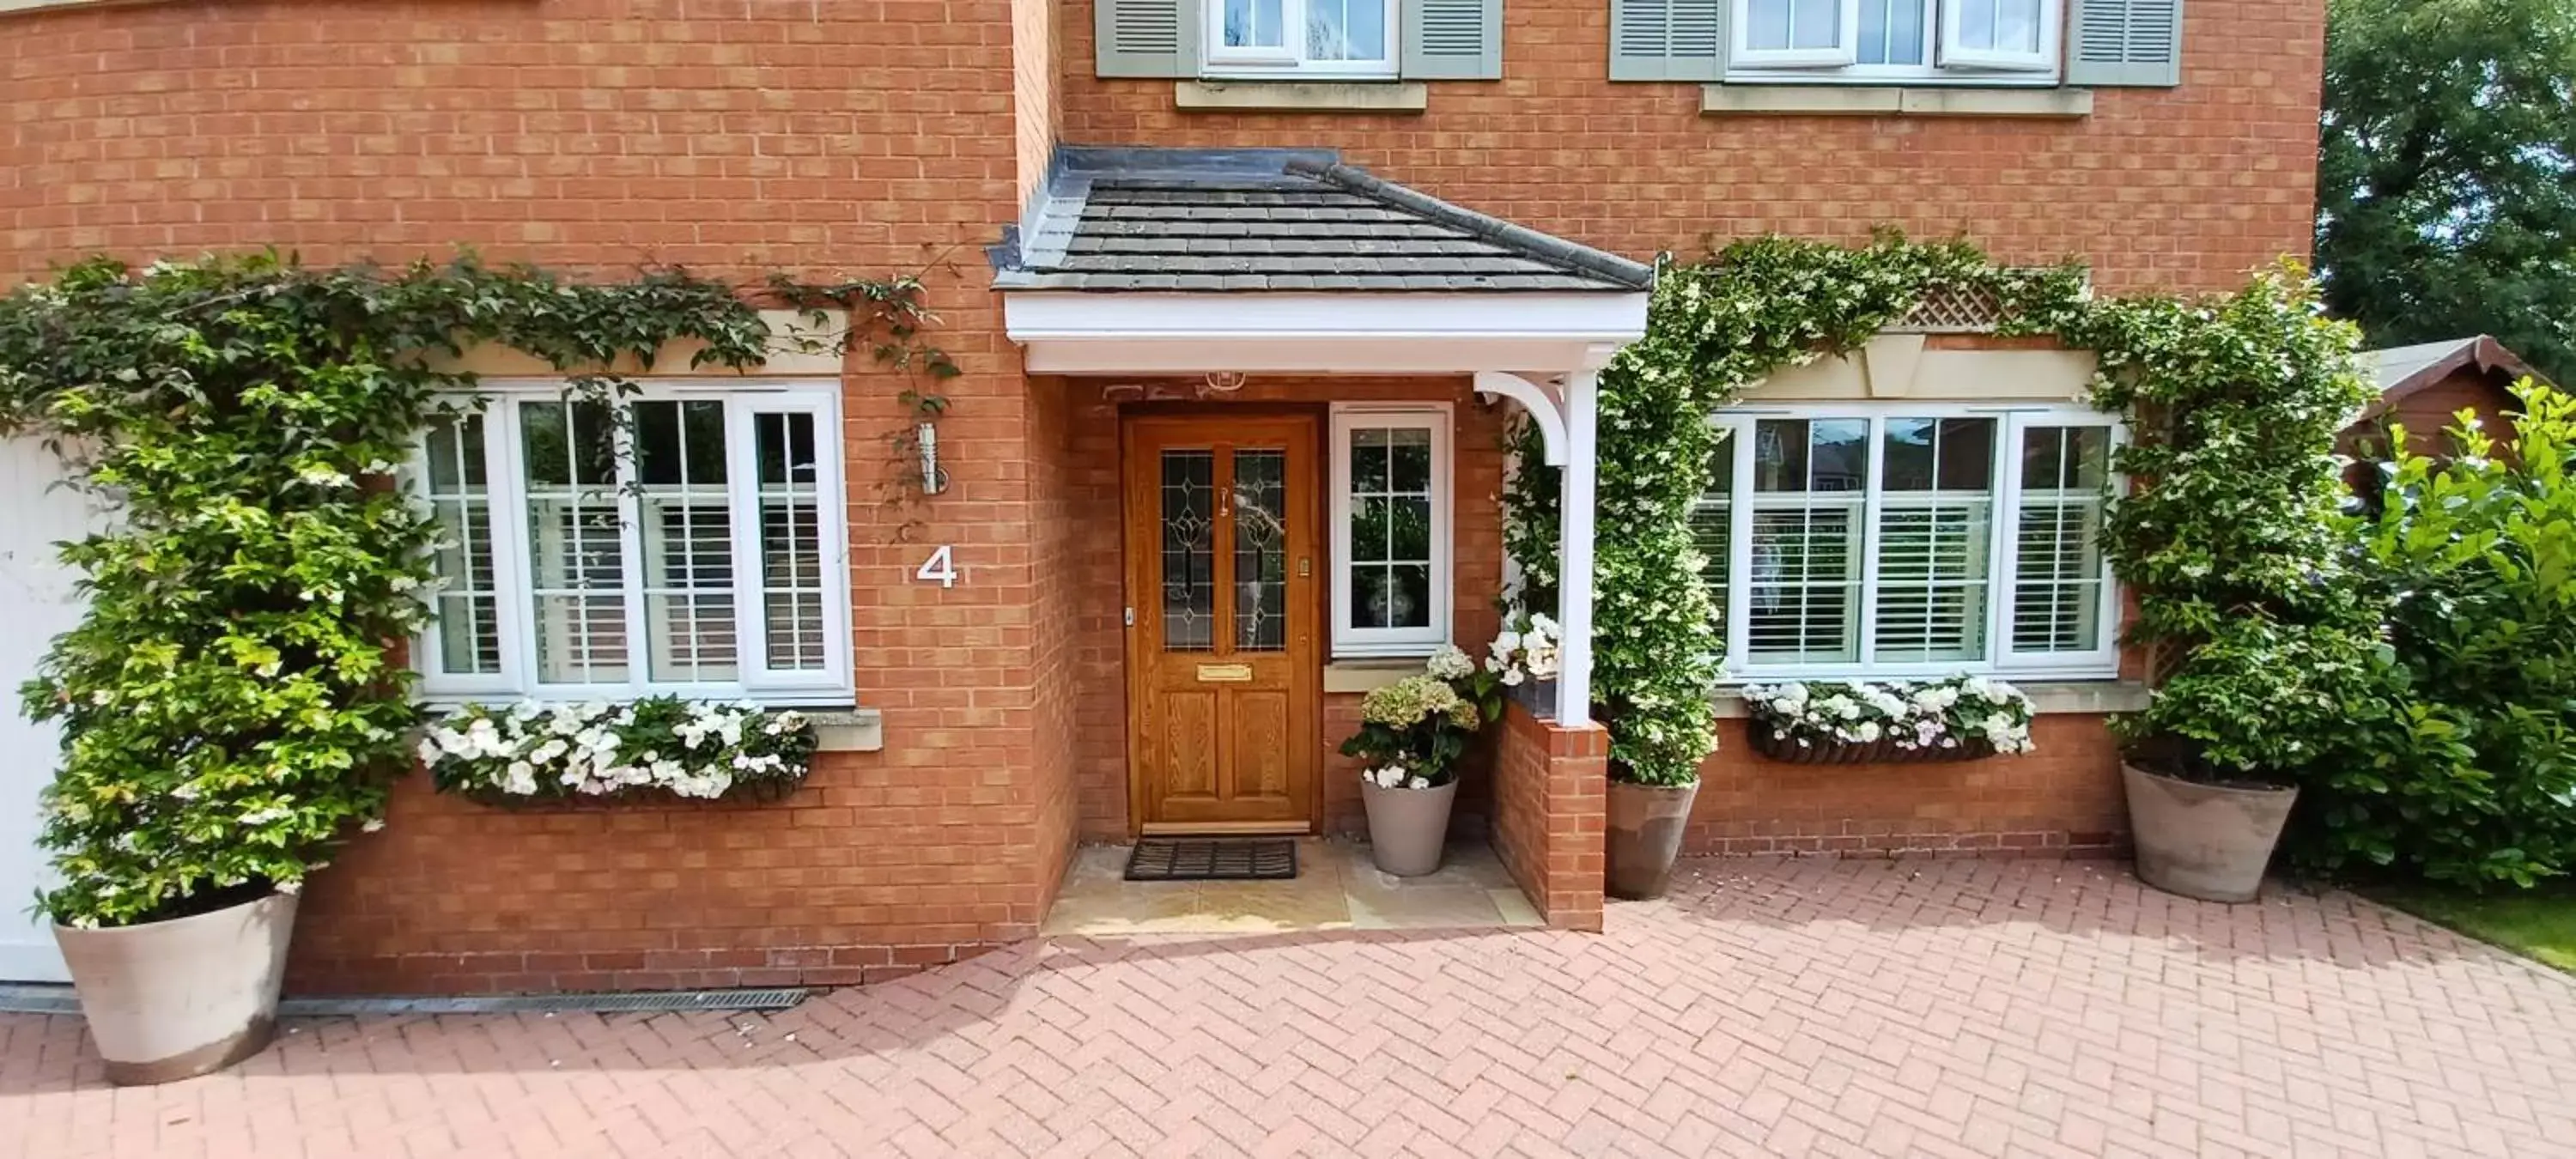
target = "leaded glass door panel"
x: 1223, y: 670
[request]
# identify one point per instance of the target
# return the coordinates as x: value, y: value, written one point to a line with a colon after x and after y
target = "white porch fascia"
x: 1543, y: 350
x: 1348, y: 332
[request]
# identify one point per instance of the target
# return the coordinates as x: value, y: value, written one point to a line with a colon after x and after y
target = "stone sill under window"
x: 2048, y: 697
x: 1286, y: 96
x: 1369, y: 673
x: 1733, y: 100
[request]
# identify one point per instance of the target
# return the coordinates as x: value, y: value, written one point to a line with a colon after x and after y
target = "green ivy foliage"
x: 1713, y: 329
x: 2229, y: 544
x: 2466, y: 773
x: 233, y: 701
x: 2256, y: 631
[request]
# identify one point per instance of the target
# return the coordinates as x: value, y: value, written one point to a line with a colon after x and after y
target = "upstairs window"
x: 1894, y: 40
x: 682, y: 541
x: 1306, y: 39
x: 1911, y: 541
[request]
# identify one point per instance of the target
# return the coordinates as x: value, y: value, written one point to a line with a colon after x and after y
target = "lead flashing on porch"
x: 1277, y: 220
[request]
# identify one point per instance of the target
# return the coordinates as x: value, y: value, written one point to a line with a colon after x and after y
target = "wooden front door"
x: 1224, y: 682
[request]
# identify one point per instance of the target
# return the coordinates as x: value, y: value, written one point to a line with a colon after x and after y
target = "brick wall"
x: 1088, y: 480
x: 2064, y: 799
x: 2183, y: 187
x: 591, y: 135
x: 1550, y: 809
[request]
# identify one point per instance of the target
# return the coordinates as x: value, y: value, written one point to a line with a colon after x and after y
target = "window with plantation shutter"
x: 676, y: 541
x: 1905, y: 540
x: 1934, y: 533
x: 2061, y: 589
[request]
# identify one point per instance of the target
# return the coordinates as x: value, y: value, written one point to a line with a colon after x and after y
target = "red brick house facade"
x: 858, y: 139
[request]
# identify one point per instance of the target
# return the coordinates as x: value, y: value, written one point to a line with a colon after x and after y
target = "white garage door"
x: 35, y: 605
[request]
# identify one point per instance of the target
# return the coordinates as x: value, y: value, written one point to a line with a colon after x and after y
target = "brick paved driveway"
x: 1887, y: 1008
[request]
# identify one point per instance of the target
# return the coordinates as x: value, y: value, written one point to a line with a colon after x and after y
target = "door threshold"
x: 1227, y: 829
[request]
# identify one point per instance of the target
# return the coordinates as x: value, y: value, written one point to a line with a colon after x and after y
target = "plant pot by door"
x: 175, y: 999
x: 1646, y: 823
x: 2210, y: 842
x: 1408, y: 827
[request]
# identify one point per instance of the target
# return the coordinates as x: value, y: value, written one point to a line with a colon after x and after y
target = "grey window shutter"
x: 1668, y: 39
x: 1146, y: 37
x: 2125, y: 42
x: 1453, y: 40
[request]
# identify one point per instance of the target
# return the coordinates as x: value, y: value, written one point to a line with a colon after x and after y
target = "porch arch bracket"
x: 1542, y: 403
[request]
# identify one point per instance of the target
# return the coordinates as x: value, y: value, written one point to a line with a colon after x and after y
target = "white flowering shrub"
x: 1413, y: 731
x: 1525, y: 650
x: 1961, y: 715
x: 686, y: 748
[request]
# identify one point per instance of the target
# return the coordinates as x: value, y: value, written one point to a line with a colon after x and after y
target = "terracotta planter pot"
x: 2210, y: 842
x: 176, y: 999
x: 1408, y: 827
x: 1646, y: 823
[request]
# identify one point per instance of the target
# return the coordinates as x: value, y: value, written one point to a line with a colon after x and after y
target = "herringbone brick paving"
x: 1886, y: 1008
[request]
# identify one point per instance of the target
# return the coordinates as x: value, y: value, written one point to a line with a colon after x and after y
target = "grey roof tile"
x: 1255, y: 220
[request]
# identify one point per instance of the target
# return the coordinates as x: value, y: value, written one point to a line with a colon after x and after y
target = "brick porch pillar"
x: 1551, y: 787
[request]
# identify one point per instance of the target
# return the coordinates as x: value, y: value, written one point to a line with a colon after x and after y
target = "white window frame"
x: 2102, y: 661
x: 1354, y: 642
x: 2042, y: 59
x: 499, y: 401
x: 1944, y: 62
x: 1289, y: 59
x: 1844, y: 51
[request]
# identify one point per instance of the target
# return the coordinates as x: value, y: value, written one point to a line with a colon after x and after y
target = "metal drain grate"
x: 38, y: 998
x: 649, y: 1003
x: 1191, y: 859
x: 32, y: 999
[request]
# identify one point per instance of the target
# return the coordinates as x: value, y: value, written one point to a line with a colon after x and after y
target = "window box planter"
x: 1768, y: 742
x: 657, y: 750
x: 760, y: 791
x: 1538, y: 696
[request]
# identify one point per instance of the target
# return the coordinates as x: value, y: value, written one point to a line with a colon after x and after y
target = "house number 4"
x: 941, y: 567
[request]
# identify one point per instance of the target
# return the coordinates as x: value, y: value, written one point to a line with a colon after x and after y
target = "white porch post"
x: 1574, y: 555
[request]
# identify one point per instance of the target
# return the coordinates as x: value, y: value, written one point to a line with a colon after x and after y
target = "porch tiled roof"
x: 1277, y: 220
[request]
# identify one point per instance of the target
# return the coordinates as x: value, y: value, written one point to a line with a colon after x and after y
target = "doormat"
x: 1210, y: 859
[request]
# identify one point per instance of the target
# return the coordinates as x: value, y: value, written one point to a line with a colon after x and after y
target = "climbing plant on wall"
x: 1716, y: 327
x: 233, y: 700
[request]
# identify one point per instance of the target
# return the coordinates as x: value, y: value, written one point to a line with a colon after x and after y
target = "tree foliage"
x: 2463, y: 770
x: 2447, y: 172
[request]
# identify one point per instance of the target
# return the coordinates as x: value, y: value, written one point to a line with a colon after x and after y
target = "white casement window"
x: 1390, y: 530
x: 1305, y: 38
x: 1911, y: 539
x: 687, y: 539
x: 1895, y: 40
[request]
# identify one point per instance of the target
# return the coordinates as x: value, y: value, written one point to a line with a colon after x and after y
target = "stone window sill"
x: 1734, y: 100
x: 8, y: 7
x: 848, y: 730
x: 2050, y: 697
x: 1368, y: 674
x: 1233, y: 96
